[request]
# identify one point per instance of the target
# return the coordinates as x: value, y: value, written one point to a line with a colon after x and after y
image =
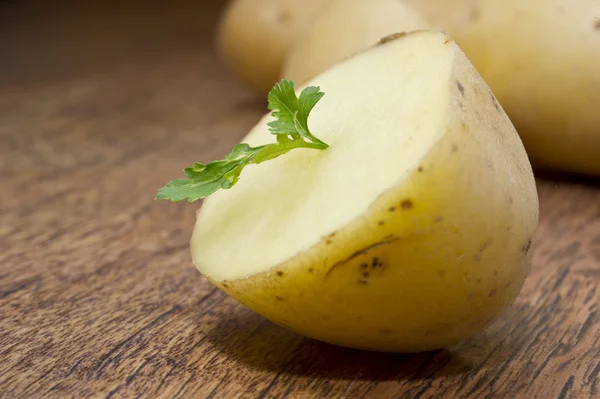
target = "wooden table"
x: 98, y: 298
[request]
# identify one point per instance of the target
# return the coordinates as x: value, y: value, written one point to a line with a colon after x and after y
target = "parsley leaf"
x: 291, y: 112
x: 290, y: 127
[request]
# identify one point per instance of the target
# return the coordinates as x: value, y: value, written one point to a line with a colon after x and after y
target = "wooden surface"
x: 98, y: 297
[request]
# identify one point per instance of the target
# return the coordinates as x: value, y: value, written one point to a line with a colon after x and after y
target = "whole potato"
x: 542, y: 60
x: 343, y: 28
x: 443, y: 14
x: 254, y: 36
x: 411, y: 232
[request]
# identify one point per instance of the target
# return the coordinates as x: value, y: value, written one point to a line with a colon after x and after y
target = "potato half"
x: 254, y: 36
x: 412, y: 231
x: 343, y: 28
x: 542, y: 60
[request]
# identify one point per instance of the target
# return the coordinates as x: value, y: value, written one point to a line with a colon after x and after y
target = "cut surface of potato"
x: 254, y: 36
x: 343, y: 28
x: 410, y: 232
x: 341, y: 181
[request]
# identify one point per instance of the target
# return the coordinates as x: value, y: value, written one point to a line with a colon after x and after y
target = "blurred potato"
x: 254, y: 36
x: 343, y: 28
x: 542, y: 60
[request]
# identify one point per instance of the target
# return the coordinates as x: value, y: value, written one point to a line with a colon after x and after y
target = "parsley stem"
x: 290, y: 127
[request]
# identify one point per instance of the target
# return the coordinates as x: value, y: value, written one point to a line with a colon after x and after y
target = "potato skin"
x: 343, y: 28
x: 435, y: 259
x: 542, y: 60
x: 253, y: 37
x: 444, y: 14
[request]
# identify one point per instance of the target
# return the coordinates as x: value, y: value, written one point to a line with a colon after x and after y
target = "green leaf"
x: 291, y: 112
x: 291, y: 128
x: 283, y: 102
x: 192, y: 190
x: 309, y: 97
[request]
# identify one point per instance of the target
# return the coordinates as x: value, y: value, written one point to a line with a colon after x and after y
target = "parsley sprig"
x: 290, y: 128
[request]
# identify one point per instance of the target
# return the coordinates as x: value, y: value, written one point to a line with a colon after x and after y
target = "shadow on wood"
x: 248, y: 338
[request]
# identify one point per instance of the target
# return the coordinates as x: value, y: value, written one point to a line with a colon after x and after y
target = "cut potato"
x: 542, y: 60
x: 411, y: 232
x: 343, y: 28
x: 254, y: 37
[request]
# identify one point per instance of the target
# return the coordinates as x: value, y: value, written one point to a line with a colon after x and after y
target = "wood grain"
x: 98, y: 297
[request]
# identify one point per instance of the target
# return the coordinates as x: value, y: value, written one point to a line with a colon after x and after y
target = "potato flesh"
x: 289, y: 203
x: 439, y: 252
x: 343, y: 28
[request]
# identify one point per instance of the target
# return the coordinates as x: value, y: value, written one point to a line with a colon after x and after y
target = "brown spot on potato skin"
x: 508, y: 284
x: 420, y: 169
x: 284, y: 17
x: 406, y: 204
x: 381, y: 223
x: 377, y: 263
x: 328, y: 241
x: 492, y: 293
x: 390, y: 38
x: 461, y: 88
x: 484, y: 246
x: 525, y: 249
x: 597, y: 24
x: 364, y: 265
x: 280, y: 299
x: 365, y: 274
x: 311, y: 270
x: 475, y: 14
x: 280, y: 273
x: 454, y: 147
x: 363, y: 281
x: 387, y: 240
x: 447, y: 41
x: 438, y: 219
x: 392, y: 209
